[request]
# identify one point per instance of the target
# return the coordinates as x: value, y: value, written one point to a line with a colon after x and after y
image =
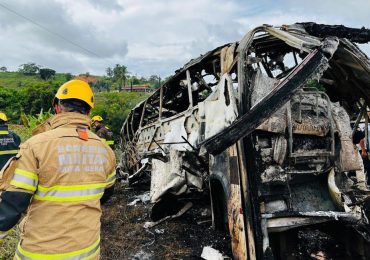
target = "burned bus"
x: 264, y: 125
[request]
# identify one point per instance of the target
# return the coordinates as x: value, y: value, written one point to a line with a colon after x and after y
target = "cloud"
x: 60, y: 37
x: 149, y: 37
x: 61, y: 32
x: 106, y: 4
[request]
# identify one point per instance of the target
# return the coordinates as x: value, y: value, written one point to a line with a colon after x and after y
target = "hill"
x: 18, y: 79
x: 30, y: 95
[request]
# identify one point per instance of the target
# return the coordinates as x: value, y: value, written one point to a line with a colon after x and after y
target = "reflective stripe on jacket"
x: 105, y: 134
x: 109, y: 142
x: 67, y: 176
x: 9, y: 144
x: 89, y: 252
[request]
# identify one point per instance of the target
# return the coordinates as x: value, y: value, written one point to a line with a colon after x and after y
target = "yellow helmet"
x: 3, y: 117
x: 97, y: 118
x: 77, y: 89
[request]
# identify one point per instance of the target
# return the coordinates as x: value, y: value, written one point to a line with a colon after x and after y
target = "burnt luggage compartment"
x: 264, y: 125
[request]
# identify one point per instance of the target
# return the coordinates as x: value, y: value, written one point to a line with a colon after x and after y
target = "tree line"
x: 32, y: 69
x: 34, y: 94
x: 118, y: 77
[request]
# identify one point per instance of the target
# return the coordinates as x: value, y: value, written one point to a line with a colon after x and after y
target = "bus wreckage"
x: 264, y: 124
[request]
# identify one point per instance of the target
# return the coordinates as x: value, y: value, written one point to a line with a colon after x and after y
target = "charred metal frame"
x: 209, y: 130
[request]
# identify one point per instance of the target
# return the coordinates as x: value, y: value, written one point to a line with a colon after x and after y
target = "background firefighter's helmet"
x: 76, y: 89
x: 3, y: 117
x: 97, y: 118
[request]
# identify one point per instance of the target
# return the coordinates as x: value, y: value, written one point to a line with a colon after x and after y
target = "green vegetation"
x: 29, y: 100
x: 46, y: 74
x: 17, y: 80
x: 7, y: 249
x: 29, y: 68
x: 114, y: 108
x: 119, y: 77
x: 30, y: 90
x: 29, y: 122
x: 316, y: 85
x: 23, y: 132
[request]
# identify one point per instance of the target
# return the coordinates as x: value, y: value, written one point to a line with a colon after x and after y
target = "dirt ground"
x: 124, y: 237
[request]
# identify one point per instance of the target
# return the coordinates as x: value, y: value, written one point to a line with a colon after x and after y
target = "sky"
x: 150, y: 37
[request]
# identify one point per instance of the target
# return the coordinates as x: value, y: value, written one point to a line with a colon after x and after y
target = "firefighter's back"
x: 73, y: 167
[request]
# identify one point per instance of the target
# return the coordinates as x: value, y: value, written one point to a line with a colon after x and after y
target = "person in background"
x: 359, y: 140
x: 9, y: 141
x: 102, y: 131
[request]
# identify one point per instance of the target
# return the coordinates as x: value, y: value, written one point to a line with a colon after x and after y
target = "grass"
x: 19, y: 80
x: 9, y: 245
x: 23, y: 132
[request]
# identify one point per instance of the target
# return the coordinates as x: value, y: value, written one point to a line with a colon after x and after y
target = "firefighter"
x: 61, y: 176
x: 9, y: 141
x: 102, y: 131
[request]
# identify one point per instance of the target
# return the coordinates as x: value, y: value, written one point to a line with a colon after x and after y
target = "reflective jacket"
x: 66, y: 171
x: 9, y: 144
x: 105, y: 134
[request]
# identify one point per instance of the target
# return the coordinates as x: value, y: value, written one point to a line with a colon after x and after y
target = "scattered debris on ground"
x: 210, y: 253
x: 124, y: 235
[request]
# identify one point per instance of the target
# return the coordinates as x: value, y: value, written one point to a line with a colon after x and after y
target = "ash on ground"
x: 124, y: 236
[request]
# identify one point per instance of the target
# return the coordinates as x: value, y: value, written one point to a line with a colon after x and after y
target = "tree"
x: 134, y: 80
x: 143, y: 80
x: 39, y: 96
x: 101, y: 85
x: 155, y: 81
x: 109, y: 71
x: 120, y: 75
x: 3, y: 69
x: 68, y: 76
x: 29, y: 68
x: 46, y: 73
